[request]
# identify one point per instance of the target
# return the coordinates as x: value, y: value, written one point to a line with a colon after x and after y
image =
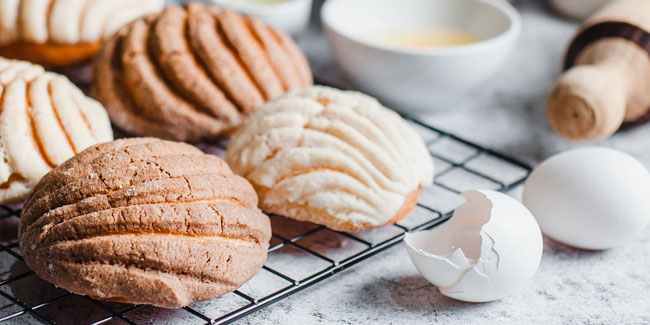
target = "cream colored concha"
x: 332, y: 157
x: 44, y: 120
x: 60, y: 32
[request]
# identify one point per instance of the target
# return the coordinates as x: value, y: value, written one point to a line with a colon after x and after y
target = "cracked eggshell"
x: 491, y: 246
x: 591, y: 198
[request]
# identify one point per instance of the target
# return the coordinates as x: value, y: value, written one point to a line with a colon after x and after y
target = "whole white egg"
x: 490, y: 247
x: 592, y: 198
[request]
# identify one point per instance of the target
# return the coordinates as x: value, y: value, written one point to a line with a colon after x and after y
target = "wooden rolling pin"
x: 607, y: 81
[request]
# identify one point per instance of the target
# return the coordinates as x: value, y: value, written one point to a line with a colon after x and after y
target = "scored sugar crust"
x: 332, y: 157
x: 144, y: 221
x: 64, y: 32
x: 192, y: 72
x: 44, y: 120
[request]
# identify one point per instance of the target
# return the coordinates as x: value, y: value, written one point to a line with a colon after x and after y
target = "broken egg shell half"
x: 491, y: 246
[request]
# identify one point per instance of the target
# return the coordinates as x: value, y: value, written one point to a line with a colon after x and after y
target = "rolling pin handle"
x: 588, y: 102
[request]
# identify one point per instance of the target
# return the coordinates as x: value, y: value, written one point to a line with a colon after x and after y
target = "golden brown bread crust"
x: 64, y: 33
x: 50, y: 54
x: 144, y: 221
x: 409, y: 202
x: 191, y: 73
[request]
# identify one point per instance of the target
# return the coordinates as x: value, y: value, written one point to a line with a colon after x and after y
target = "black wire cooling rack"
x: 301, y: 254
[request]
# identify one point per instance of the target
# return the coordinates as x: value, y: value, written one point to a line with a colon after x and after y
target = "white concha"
x: 44, y: 120
x: 68, y: 21
x: 333, y: 157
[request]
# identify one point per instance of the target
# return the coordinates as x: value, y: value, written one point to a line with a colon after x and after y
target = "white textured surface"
x: 44, y: 120
x: 68, y: 21
x: 571, y: 286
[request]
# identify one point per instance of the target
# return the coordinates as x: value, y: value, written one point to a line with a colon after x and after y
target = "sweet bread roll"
x: 44, y: 120
x: 332, y: 157
x: 63, y: 32
x: 144, y: 221
x: 190, y: 73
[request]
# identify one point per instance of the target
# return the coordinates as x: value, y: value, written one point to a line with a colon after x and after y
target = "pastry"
x: 44, y: 120
x: 63, y: 32
x: 332, y: 157
x: 191, y: 72
x: 144, y: 221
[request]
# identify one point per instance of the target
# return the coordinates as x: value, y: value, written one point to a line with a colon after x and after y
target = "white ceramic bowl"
x: 291, y: 16
x: 418, y: 80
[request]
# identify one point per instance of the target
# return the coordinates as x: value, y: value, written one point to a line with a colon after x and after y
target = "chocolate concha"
x: 192, y: 72
x: 44, y: 120
x: 144, y: 221
x: 332, y: 157
x: 64, y: 32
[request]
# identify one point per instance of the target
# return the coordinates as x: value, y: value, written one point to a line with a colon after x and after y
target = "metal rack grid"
x: 301, y: 254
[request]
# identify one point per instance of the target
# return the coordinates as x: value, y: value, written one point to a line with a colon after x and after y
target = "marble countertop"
x: 571, y: 286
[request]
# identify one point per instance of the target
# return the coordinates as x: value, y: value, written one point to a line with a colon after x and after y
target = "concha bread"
x: 332, y: 157
x: 44, y: 120
x: 144, y: 221
x: 60, y: 32
x: 192, y: 72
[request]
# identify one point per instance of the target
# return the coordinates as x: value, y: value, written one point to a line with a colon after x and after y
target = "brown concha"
x: 192, y: 72
x: 144, y: 221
